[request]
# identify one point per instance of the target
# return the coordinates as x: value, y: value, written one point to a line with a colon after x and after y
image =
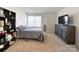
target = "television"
x: 63, y: 19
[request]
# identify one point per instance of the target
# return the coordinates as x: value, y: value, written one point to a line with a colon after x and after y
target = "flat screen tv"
x: 63, y: 19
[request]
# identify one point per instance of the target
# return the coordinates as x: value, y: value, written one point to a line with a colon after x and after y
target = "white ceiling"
x: 41, y: 9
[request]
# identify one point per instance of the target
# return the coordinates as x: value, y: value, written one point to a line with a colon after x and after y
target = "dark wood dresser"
x: 66, y: 33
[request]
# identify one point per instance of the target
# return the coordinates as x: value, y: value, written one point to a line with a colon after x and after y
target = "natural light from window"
x: 34, y: 21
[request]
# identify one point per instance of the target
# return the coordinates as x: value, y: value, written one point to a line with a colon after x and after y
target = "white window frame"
x: 34, y: 26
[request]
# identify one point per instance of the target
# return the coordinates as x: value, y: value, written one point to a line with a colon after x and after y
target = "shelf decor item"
x: 1, y: 23
x: 2, y: 36
x: 6, y: 20
x: 1, y: 29
x: 9, y: 24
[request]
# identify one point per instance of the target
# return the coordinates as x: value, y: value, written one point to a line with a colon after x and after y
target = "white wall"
x: 50, y: 20
x: 73, y: 12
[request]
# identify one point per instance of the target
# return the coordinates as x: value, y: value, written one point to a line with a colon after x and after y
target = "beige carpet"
x: 52, y: 43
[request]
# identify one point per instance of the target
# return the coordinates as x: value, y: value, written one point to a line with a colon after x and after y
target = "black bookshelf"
x: 11, y: 18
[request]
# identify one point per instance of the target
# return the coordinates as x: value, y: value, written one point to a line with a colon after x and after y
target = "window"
x: 34, y: 21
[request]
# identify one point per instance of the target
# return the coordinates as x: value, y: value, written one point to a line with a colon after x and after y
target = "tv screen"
x: 63, y: 19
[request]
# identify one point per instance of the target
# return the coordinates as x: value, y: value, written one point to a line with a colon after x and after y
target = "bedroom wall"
x: 73, y: 13
x: 20, y: 15
x: 49, y: 19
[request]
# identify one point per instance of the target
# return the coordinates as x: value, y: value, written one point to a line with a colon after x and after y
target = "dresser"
x: 66, y: 33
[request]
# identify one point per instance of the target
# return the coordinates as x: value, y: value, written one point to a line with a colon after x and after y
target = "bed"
x: 30, y: 33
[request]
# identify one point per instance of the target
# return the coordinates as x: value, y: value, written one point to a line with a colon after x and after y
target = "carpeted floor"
x: 52, y: 43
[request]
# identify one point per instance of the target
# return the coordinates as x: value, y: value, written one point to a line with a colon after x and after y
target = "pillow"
x: 21, y: 28
x: 17, y: 29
